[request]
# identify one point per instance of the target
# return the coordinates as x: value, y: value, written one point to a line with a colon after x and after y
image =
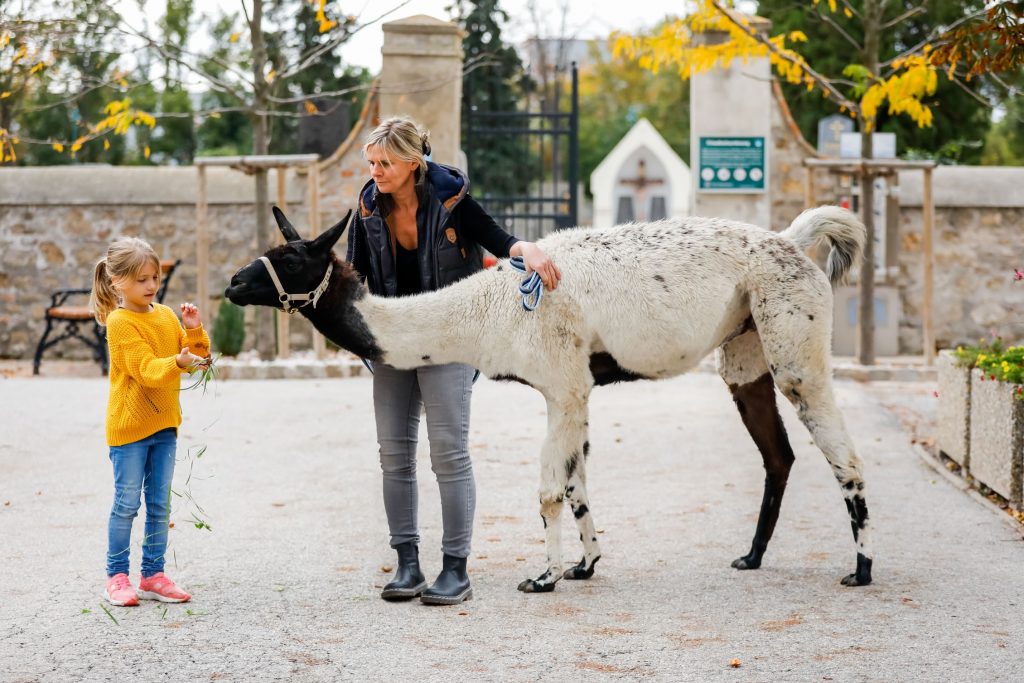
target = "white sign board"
x: 883, y: 145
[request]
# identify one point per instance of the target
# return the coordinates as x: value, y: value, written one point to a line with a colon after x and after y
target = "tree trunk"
x: 265, y: 237
x: 866, y: 313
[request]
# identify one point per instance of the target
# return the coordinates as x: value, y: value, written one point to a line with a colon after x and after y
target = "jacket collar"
x: 447, y: 183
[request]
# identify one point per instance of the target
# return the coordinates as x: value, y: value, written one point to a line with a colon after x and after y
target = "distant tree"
x: 961, y: 113
x: 493, y: 81
x: 615, y: 94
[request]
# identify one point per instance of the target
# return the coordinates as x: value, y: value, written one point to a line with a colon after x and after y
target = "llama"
x: 637, y: 301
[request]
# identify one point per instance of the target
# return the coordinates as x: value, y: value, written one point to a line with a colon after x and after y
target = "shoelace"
x: 532, y: 288
x: 121, y: 582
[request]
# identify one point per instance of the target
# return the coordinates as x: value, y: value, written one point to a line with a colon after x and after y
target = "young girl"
x: 148, y: 353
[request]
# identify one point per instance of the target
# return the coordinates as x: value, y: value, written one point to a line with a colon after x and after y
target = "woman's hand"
x: 190, y: 316
x: 537, y: 261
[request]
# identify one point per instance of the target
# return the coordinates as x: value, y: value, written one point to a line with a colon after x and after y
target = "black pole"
x: 574, y: 147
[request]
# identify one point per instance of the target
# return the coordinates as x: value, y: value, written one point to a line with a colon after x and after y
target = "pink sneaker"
x: 160, y: 587
x: 119, y: 591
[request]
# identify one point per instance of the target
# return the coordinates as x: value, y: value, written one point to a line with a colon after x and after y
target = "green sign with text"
x: 732, y: 164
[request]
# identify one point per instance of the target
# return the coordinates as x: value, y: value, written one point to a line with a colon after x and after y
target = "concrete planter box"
x: 997, y: 437
x: 954, y: 415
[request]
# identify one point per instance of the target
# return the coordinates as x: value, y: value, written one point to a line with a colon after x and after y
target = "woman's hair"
x: 402, y: 139
x: 125, y: 259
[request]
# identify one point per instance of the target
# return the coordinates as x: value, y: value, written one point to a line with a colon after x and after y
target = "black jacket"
x: 451, y: 229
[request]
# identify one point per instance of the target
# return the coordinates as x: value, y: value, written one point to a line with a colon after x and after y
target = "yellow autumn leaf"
x: 106, y: 145
x: 848, y: 13
x: 58, y: 147
x: 38, y: 66
x: 235, y: 36
x: 310, y: 107
x: 798, y: 36
x: 271, y: 75
x: 145, y: 151
x: 5, y: 94
x: 832, y: 5
x: 19, y: 54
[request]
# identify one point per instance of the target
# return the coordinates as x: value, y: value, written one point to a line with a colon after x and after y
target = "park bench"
x: 72, y: 318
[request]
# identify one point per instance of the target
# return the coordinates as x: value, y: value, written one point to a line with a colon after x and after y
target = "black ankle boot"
x: 452, y: 584
x: 409, y: 580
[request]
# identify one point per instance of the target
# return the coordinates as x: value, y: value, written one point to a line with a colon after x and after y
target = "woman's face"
x: 391, y: 175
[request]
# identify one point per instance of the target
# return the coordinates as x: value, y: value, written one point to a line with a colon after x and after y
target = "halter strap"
x: 287, y: 300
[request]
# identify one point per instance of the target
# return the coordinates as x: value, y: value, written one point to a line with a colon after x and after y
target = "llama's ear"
x: 289, y: 232
x: 327, y: 239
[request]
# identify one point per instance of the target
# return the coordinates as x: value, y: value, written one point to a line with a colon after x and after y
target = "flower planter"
x: 997, y: 436
x: 954, y: 414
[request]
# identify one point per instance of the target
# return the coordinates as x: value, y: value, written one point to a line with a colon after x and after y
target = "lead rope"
x: 532, y: 288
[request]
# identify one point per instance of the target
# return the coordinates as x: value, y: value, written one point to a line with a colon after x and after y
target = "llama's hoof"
x: 532, y: 586
x: 862, y: 576
x: 747, y: 562
x: 579, y: 571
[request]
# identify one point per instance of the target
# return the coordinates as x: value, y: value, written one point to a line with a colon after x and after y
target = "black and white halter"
x: 287, y: 300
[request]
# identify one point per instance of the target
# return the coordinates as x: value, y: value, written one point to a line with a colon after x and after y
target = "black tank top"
x: 407, y: 270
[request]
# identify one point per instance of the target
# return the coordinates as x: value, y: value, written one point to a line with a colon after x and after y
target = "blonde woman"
x: 148, y: 352
x: 418, y: 229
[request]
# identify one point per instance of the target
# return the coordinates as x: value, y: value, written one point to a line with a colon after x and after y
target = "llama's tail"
x: 843, y: 230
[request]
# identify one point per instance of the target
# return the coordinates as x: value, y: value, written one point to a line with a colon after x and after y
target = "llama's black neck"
x: 335, y: 315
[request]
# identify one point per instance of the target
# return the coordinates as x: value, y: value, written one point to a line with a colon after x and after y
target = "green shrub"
x: 229, y: 329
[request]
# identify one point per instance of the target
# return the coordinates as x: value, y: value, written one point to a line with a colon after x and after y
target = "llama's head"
x: 301, y: 268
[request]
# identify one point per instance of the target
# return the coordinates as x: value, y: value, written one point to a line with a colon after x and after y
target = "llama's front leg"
x: 576, y: 493
x: 560, y: 456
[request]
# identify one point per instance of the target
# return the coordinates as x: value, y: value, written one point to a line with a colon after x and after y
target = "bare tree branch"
x: 826, y: 84
x: 935, y: 33
x: 920, y: 9
x: 305, y: 61
x: 840, y: 30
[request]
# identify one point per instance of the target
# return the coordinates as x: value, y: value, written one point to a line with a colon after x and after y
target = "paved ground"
x: 286, y: 584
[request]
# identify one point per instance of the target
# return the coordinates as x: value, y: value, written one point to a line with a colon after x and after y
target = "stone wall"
x: 978, y: 241
x: 54, y: 243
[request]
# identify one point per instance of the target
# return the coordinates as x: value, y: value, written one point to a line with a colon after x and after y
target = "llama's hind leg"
x: 742, y: 365
x: 579, y: 503
x: 560, y: 456
x: 798, y: 356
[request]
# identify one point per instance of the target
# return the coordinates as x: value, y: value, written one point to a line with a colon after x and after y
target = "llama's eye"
x: 293, y: 267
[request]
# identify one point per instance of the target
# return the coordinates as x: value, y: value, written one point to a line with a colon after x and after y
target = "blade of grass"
x: 109, y: 614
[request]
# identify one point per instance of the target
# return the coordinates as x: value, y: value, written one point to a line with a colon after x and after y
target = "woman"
x: 417, y: 230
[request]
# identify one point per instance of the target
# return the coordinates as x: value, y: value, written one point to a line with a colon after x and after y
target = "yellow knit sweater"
x: 144, y: 377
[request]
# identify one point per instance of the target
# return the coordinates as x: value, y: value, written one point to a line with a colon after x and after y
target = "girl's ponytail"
x: 103, y: 298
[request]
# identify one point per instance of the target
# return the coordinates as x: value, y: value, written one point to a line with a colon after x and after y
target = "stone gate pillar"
x: 421, y: 76
x: 730, y: 128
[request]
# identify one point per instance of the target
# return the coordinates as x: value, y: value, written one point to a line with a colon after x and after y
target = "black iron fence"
x: 524, y: 166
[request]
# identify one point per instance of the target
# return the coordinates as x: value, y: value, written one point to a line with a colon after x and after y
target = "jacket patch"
x: 450, y: 234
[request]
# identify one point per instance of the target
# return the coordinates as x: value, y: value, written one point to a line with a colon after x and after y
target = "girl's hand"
x: 537, y: 261
x: 190, y: 316
x: 185, y: 360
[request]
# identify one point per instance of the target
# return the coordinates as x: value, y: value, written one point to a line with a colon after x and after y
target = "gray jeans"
x: 445, y: 392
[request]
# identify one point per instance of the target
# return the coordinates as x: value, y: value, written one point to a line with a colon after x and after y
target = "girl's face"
x: 391, y: 175
x: 139, y: 290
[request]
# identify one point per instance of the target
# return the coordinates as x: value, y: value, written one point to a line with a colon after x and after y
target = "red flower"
x: 935, y: 394
x: 1018, y: 274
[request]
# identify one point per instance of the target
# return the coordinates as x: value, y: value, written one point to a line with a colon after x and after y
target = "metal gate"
x: 537, y: 192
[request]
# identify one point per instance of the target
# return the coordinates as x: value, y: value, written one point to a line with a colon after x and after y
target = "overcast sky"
x: 585, y: 19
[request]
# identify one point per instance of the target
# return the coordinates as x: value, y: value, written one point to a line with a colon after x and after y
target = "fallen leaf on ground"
x: 386, y: 569
x: 735, y: 663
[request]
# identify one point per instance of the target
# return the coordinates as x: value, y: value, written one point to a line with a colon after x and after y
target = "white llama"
x: 637, y: 301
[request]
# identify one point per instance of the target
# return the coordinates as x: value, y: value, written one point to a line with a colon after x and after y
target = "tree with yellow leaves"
x: 869, y: 84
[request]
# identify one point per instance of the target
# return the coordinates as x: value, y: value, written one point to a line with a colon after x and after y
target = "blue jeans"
x: 144, y: 465
x: 444, y: 391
